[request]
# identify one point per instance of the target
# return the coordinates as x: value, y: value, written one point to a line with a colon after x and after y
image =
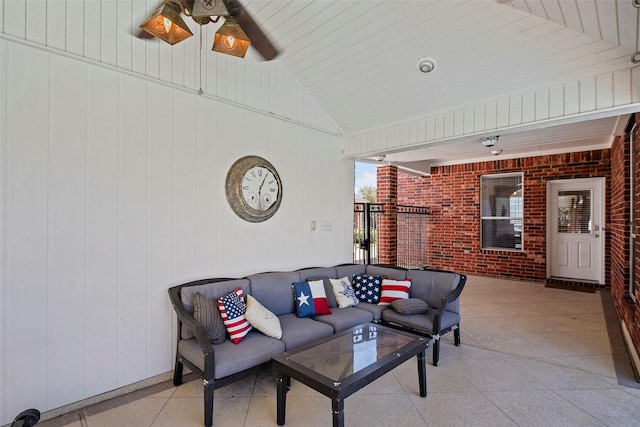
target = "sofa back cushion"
x: 432, y: 286
x: 212, y: 290
x: 316, y: 273
x: 274, y: 290
x: 349, y: 270
x: 387, y: 272
x: 324, y: 273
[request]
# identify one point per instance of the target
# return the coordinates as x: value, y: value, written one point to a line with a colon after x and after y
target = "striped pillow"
x: 232, y: 309
x: 393, y: 290
x: 206, y: 312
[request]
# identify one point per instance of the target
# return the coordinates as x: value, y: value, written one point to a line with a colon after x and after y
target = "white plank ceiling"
x: 357, y: 58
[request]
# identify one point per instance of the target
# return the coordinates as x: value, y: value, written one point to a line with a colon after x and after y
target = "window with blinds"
x: 501, y: 201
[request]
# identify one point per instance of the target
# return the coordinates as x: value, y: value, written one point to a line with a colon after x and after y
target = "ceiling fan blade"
x: 258, y: 39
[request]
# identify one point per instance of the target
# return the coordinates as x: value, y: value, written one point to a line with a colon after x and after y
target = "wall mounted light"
x: 230, y: 39
x: 489, y: 141
x: 166, y: 24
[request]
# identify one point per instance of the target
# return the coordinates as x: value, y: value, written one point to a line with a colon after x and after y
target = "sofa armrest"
x: 453, y: 295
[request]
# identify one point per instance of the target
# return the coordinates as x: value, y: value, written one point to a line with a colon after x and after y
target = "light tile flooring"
x: 530, y: 356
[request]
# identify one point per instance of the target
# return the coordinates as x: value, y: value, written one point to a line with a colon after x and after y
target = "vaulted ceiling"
x: 358, y: 60
x: 546, y: 75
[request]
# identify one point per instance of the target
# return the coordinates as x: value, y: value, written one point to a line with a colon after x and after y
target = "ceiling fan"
x: 233, y: 37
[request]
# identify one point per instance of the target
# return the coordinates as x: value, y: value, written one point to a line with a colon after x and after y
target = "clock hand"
x: 260, y: 192
x: 262, y: 183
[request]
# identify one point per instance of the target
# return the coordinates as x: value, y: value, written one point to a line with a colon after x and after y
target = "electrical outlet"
x: 325, y: 226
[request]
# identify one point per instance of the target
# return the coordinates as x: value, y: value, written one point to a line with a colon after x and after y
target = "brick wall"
x: 387, y: 193
x: 628, y: 310
x: 452, y: 194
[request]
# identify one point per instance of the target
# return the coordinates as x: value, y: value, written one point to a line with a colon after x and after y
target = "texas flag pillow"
x: 310, y: 298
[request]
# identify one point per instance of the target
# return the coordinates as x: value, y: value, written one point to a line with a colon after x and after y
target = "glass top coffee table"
x: 340, y: 365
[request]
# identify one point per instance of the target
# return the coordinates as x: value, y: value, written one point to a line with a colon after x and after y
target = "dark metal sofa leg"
x: 177, y: 373
x: 208, y: 403
x: 436, y: 351
x: 456, y: 336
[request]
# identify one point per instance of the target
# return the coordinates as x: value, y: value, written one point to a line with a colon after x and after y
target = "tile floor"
x: 530, y: 356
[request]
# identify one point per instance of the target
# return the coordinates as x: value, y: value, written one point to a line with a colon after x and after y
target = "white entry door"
x: 575, y: 235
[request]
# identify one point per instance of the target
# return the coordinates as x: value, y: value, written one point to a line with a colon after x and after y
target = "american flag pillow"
x: 367, y: 288
x: 232, y: 309
x: 393, y: 290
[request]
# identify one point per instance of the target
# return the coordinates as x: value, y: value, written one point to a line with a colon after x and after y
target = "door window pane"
x: 574, y: 211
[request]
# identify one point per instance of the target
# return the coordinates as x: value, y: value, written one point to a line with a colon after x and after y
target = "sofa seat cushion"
x: 343, y: 318
x: 422, y: 322
x: 375, y: 309
x: 255, y: 349
x: 297, y: 331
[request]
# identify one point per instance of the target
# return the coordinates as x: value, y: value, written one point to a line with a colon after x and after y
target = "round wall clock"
x: 254, y: 189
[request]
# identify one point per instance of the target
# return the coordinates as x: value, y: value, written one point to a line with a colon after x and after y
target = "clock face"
x: 253, y: 188
x: 260, y: 188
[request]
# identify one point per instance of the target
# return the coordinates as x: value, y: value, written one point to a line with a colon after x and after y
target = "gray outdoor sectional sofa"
x: 226, y: 362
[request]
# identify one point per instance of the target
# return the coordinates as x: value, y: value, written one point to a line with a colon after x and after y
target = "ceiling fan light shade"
x: 198, y: 8
x: 167, y: 25
x: 231, y: 39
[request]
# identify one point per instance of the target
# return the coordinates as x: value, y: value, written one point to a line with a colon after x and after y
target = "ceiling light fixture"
x: 166, y: 24
x: 496, y: 152
x: 379, y: 157
x: 426, y: 65
x: 230, y: 39
x: 205, y: 8
x: 233, y: 38
x: 489, y: 141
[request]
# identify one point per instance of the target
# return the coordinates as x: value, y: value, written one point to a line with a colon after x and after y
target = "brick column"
x: 387, y: 193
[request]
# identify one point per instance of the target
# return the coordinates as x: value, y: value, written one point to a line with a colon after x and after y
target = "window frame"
x: 485, y: 178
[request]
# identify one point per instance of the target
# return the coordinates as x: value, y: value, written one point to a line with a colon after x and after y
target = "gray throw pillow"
x: 328, y: 290
x: 206, y: 312
x: 410, y: 306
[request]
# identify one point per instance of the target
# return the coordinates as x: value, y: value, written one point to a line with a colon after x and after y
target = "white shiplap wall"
x: 107, y: 32
x: 112, y: 190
